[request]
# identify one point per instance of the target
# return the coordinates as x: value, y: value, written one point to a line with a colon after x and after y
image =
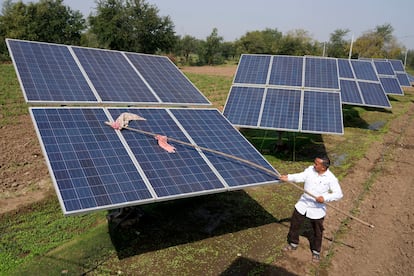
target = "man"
x: 322, y: 186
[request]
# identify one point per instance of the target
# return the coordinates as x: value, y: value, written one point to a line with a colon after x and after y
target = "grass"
x: 231, y: 233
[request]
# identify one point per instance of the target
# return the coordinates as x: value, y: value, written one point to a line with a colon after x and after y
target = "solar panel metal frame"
x: 91, y: 89
x: 237, y: 83
x: 138, y: 163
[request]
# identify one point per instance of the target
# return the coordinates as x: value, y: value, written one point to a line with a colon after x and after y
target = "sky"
x: 320, y: 18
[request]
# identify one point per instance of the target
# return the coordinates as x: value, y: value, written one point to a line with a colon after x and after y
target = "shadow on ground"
x: 244, y: 266
x: 161, y: 225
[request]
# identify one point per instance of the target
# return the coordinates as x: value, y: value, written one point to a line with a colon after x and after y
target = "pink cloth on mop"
x: 162, y: 142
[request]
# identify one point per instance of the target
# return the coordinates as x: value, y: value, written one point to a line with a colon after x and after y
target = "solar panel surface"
x: 113, y: 77
x: 48, y: 73
x: 391, y: 85
x: 95, y: 167
x: 268, y: 92
x: 64, y: 74
x: 351, y: 90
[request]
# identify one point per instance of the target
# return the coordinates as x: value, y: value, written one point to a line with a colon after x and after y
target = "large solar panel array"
x: 286, y: 93
x: 54, y: 73
x: 95, y: 167
x: 360, y: 84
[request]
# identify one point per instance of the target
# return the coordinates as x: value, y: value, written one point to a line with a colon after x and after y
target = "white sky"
x: 233, y: 18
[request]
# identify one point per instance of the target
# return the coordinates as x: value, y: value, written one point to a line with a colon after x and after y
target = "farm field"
x: 234, y: 233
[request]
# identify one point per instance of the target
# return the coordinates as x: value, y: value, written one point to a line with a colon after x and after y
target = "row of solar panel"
x: 68, y: 74
x: 95, y: 167
x: 288, y: 92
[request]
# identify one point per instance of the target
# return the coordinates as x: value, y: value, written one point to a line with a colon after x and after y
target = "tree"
x: 46, y: 20
x: 298, y: 43
x: 186, y: 46
x: 379, y: 43
x: 259, y: 42
x: 338, y: 47
x: 132, y: 25
x: 211, y: 49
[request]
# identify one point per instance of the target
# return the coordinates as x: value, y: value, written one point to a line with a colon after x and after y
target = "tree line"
x: 136, y: 26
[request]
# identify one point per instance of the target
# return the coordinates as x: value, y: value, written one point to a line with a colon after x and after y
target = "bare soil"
x: 387, y: 249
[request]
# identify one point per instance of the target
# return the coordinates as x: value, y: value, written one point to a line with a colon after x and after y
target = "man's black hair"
x: 326, y: 162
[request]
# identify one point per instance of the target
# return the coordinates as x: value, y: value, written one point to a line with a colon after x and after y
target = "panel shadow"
x: 245, y: 266
x: 160, y: 225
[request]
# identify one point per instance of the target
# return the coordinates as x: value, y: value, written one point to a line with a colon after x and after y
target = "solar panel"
x: 113, y: 77
x: 350, y: 93
x: 281, y: 109
x: 244, y: 105
x: 94, y: 167
x: 68, y: 74
x: 90, y: 166
x: 354, y: 72
x: 397, y: 65
x: 321, y: 73
x: 329, y: 117
x: 384, y: 67
x: 391, y: 85
x: 252, y: 69
x: 286, y: 71
x: 403, y: 79
x: 373, y: 94
x: 48, y: 73
x: 169, y: 83
x: 345, y: 69
x: 268, y: 92
x: 364, y: 70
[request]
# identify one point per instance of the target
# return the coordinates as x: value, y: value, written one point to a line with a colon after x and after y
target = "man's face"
x: 319, y: 167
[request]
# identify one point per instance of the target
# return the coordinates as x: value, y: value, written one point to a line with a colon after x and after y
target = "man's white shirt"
x: 325, y: 185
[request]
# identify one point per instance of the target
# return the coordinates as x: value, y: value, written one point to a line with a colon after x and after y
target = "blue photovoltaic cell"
x: 89, y: 163
x: 350, y: 92
x: 321, y: 73
x: 286, y: 71
x: 330, y: 120
x: 209, y: 129
x: 252, y: 69
x: 345, y: 69
x: 403, y: 79
x: 391, y: 85
x: 397, y: 65
x: 170, y: 174
x: 364, y: 70
x: 243, y: 105
x: 169, y: 83
x: 281, y: 109
x: 48, y: 73
x: 384, y: 67
x: 113, y: 77
x: 373, y: 94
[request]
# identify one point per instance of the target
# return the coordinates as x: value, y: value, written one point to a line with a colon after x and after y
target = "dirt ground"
x: 387, y: 249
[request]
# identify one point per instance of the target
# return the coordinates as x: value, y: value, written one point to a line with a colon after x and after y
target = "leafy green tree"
x: 298, y: 43
x: 211, y: 49
x: 46, y: 20
x: 186, y: 46
x: 259, y: 42
x: 379, y: 43
x: 132, y: 25
x: 338, y: 46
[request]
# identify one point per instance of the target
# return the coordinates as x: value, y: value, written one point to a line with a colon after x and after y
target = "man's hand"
x: 320, y: 199
x: 284, y: 177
